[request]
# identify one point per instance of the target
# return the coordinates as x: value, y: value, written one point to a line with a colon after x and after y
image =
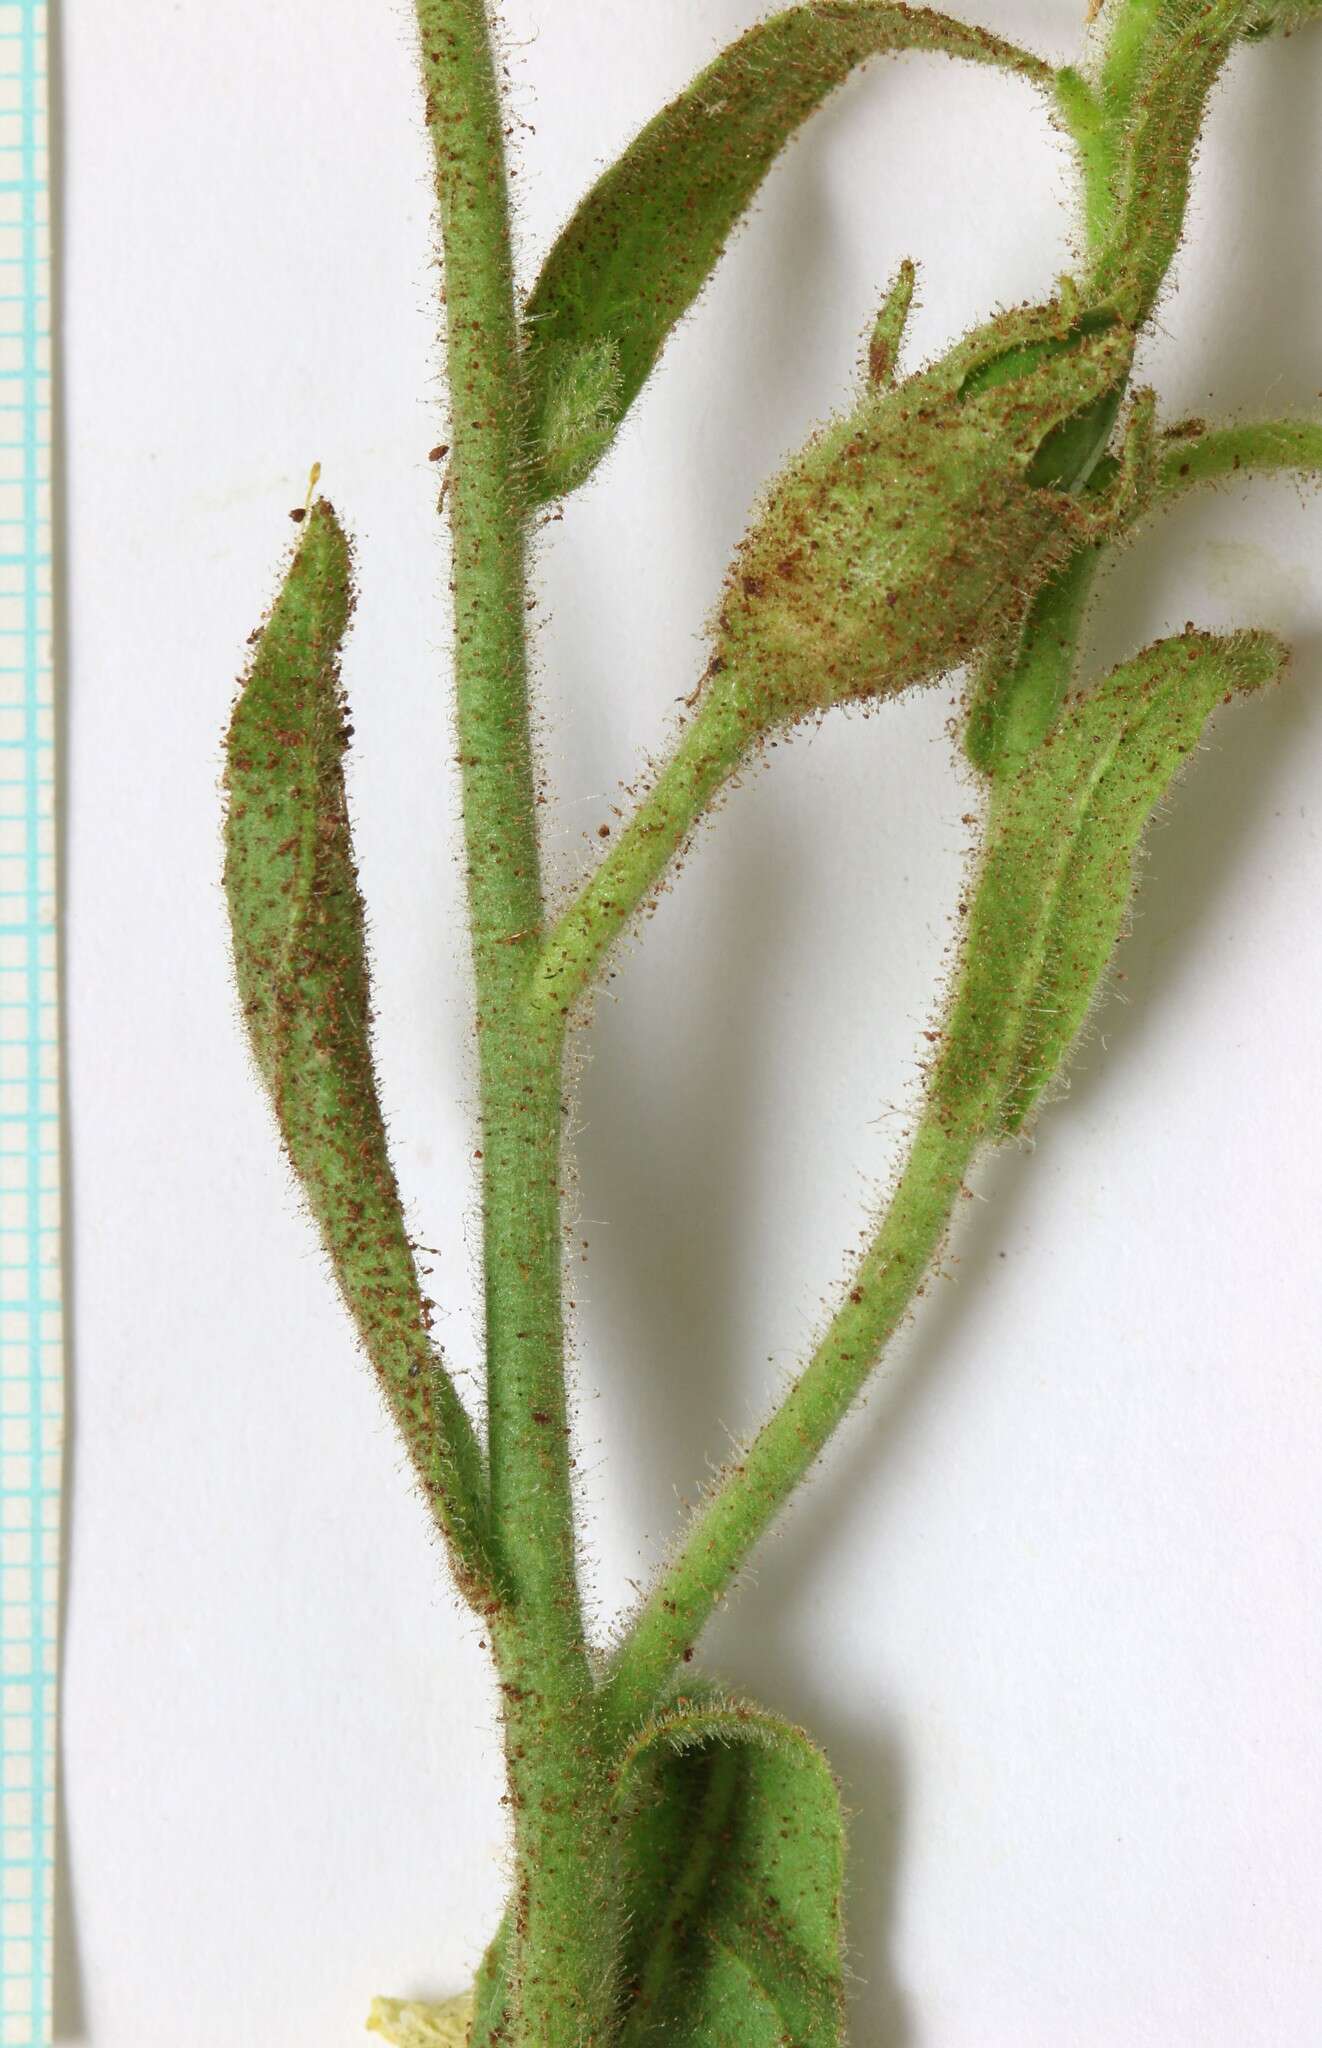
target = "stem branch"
x: 709, y: 751
x: 1203, y: 456
x: 724, y: 1530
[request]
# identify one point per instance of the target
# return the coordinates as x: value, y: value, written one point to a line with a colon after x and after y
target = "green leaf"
x: 648, y: 234
x: 1058, y: 872
x: 1021, y: 682
x: 734, y: 1863
x: 300, y: 957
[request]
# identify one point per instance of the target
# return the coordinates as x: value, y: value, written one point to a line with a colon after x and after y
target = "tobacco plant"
x: 676, y: 1849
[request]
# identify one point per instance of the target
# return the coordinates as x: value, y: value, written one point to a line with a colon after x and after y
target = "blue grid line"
x: 30, y: 1350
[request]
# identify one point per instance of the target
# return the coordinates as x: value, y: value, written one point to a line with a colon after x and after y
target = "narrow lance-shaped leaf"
x: 1058, y: 873
x: 300, y: 958
x: 648, y: 234
x: 1116, y: 756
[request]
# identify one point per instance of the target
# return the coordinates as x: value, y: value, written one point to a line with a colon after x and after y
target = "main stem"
x: 562, y: 1910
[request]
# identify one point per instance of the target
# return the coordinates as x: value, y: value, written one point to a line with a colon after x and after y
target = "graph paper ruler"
x: 30, y: 1337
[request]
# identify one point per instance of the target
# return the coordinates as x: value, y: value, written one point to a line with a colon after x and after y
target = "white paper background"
x: 1054, y: 1607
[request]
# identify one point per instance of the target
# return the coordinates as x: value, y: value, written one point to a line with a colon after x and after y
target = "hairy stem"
x: 562, y: 1883
x: 1198, y: 455
x: 1156, y: 135
x: 756, y: 1486
x: 965, y: 1094
x: 1084, y: 118
x: 709, y: 751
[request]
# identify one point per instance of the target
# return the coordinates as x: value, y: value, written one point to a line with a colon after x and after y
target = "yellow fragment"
x: 405, y: 2024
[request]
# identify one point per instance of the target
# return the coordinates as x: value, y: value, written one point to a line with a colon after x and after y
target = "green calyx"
x: 914, y: 528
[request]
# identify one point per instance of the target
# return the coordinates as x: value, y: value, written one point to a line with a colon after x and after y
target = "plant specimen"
x: 677, y: 1849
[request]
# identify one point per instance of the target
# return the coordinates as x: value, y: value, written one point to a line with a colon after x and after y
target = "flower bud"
x: 908, y: 532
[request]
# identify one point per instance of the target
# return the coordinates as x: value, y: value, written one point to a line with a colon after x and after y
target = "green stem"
x: 1196, y: 455
x: 530, y: 1491
x: 563, y: 1885
x: 1156, y: 135
x: 1137, y: 30
x: 1085, y: 123
x: 965, y: 1093
x: 1099, y: 112
x: 1137, y: 33
x: 756, y: 1486
x: 709, y: 751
